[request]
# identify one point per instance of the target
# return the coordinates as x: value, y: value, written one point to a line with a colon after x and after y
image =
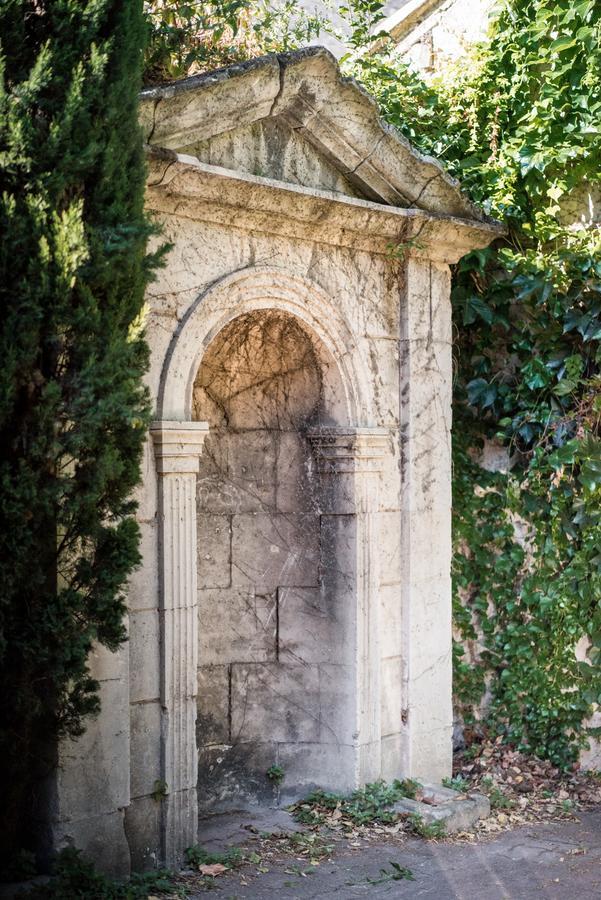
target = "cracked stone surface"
x: 553, y: 861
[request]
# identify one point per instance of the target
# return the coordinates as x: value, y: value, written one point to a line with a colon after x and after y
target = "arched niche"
x: 269, y: 563
x: 276, y: 617
x: 250, y: 290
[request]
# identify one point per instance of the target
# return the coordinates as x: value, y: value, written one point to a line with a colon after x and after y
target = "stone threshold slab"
x: 458, y: 811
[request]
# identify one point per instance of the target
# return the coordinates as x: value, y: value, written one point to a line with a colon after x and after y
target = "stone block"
x: 143, y: 585
x: 338, y: 562
x: 251, y: 469
x: 237, y: 471
x: 214, y: 551
x: 311, y: 766
x: 276, y: 701
x: 336, y: 494
x: 143, y: 830
x: 427, y: 538
x: 213, y: 705
x: 391, y: 695
x: 213, y: 490
x: 269, y: 551
x: 369, y: 765
x: 298, y: 485
x: 236, y: 625
x: 390, y: 478
x: 392, y: 757
x: 144, y: 682
x: 145, y: 748
x: 389, y: 534
x: 93, y: 772
x: 383, y: 355
x: 313, y: 627
x: 338, y: 705
x: 390, y: 620
x: 101, y: 838
x: 234, y: 775
x: 106, y: 665
x: 146, y: 494
x: 426, y: 312
x: 458, y: 812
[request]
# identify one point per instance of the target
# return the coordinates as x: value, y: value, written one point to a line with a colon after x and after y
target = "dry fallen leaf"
x: 213, y: 870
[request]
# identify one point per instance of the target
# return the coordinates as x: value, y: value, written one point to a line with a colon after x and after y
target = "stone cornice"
x: 183, y: 186
x: 333, y: 114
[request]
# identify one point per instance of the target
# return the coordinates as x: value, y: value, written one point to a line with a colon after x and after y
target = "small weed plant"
x: 498, y: 800
x: 230, y: 858
x: 373, y: 803
x: 275, y: 774
x: 431, y: 831
x: 457, y: 783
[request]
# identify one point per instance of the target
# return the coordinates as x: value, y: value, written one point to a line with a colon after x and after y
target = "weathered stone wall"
x: 277, y: 645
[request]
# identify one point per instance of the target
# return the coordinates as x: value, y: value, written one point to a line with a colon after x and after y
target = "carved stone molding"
x: 178, y: 446
x: 340, y: 450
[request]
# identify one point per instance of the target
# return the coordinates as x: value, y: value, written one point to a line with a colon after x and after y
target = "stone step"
x: 457, y: 810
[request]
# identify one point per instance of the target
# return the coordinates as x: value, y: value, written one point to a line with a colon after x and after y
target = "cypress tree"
x: 73, y: 409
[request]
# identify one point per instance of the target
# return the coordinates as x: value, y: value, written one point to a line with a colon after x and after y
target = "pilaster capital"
x: 178, y: 445
x: 342, y: 450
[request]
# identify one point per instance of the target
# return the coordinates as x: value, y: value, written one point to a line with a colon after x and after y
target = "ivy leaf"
x: 481, y: 393
x: 562, y: 43
x: 474, y: 307
x: 536, y: 374
x: 565, y: 387
x: 565, y: 455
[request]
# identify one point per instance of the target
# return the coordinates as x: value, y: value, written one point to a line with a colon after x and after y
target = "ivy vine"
x: 519, y: 122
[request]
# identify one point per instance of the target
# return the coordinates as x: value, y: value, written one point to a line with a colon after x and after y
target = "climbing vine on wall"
x: 519, y: 123
x: 520, y: 126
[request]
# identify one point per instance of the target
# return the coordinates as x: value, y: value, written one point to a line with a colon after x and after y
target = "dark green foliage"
x: 372, y: 803
x: 191, y: 37
x: 457, y: 783
x: 518, y: 123
x: 74, y: 878
x: 275, y: 774
x: 431, y: 831
x: 397, y: 872
x: 73, y: 412
x: 198, y: 856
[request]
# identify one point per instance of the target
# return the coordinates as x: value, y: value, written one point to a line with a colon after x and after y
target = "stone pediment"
x: 293, y: 118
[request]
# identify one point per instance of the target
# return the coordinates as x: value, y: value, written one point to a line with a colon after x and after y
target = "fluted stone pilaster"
x: 178, y: 446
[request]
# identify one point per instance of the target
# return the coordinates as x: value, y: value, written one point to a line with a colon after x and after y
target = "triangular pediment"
x: 272, y: 149
x: 293, y: 118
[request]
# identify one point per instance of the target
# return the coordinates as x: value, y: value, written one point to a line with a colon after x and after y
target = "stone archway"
x: 267, y: 348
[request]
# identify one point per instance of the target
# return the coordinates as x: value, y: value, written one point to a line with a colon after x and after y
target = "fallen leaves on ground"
x: 523, y: 788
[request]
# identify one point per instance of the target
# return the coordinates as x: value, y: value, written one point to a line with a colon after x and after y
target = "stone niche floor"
x: 552, y: 861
